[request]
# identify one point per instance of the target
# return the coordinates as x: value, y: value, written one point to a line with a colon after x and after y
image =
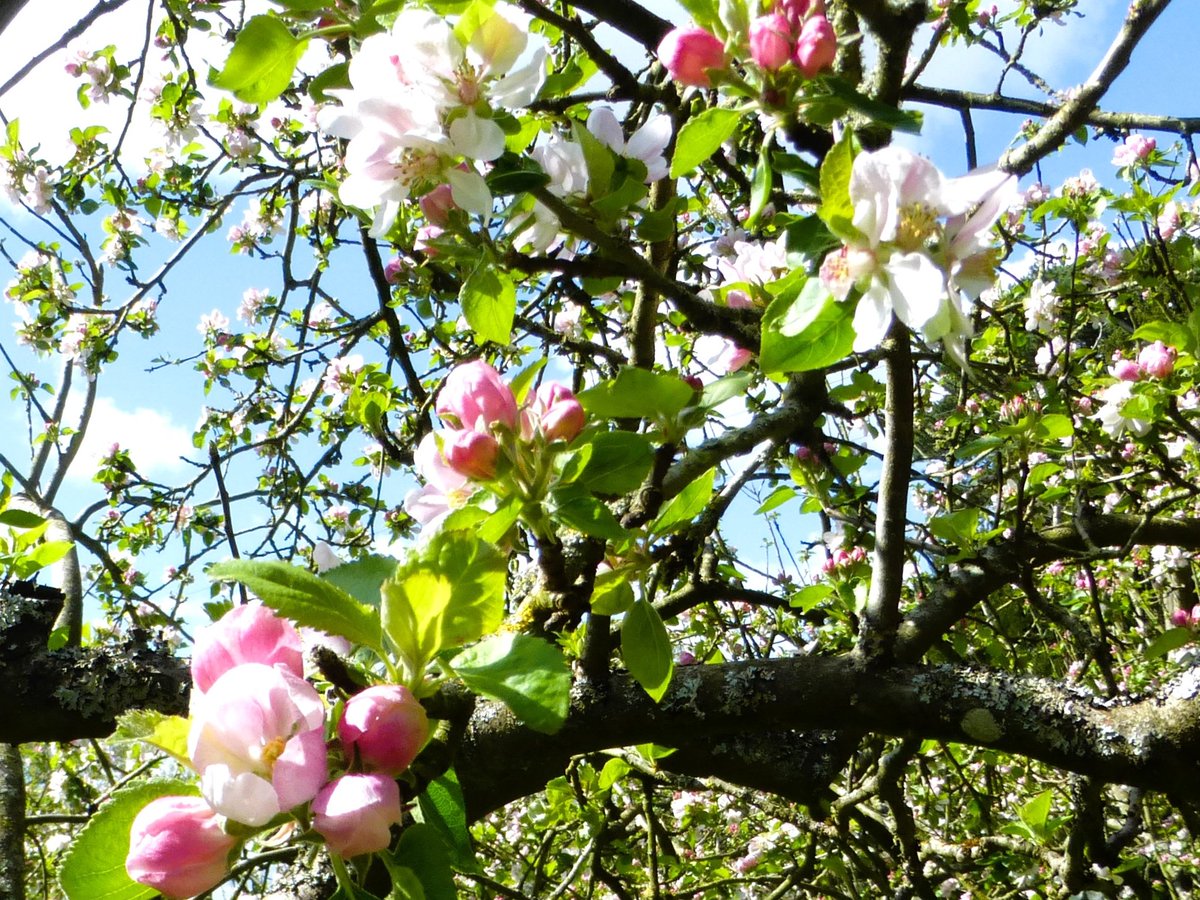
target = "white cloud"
x: 155, y: 443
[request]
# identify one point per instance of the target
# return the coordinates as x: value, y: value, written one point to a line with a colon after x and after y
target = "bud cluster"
x: 257, y: 742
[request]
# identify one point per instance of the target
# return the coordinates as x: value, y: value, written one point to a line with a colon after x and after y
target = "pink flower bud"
x: 771, y: 41
x: 471, y: 453
x: 1181, y: 618
x: 796, y: 11
x: 474, y: 397
x: 1126, y: 370
x: 816, y: 47
x: 385, y: 726
x: 246, y: 634
x: 438, y: 204
x: 556, y: 413
x: 688, y: 54
x: 177, y: 847
x: 1157, y: 360
x: 394, y: 268
x: 355, y: 813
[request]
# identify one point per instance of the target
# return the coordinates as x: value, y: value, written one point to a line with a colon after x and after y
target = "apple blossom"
x: 688, y: 53
x: 771, y: 41
x: 246, y: 634
x: 444, y: 490
x: 384, y: 727
x: 257, y: 740
x: 1112, y: 420
x: 1157, y: 360
x: 355, y: 813
x: 177, y: 847
x: 646, y: 144
x: 816, y: 47
x: 474, y: 397
x: 1135, y: 149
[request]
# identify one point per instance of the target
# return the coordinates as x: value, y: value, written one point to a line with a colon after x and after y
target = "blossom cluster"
x: 485, y: 427
x: 257, y: 739
x: 423, y: 108
x: 921, y: 248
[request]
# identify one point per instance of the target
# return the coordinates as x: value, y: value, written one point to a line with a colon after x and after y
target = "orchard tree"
x: 631, y: 460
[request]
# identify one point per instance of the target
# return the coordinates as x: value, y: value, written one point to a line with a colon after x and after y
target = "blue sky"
x: 154, y: 414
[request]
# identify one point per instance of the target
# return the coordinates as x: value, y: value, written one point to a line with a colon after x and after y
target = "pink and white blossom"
x: 250, y: 633
x: 257, y: 739
x: 689, y: 53
x: 647, y: 144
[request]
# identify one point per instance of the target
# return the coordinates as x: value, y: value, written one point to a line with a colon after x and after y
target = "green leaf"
x: 167, y: 733
x: 701, y: 137
x: 638, y: 394
x: 449, y: 593
x: 578, y: 509
x: 760, y: 187
x: 260, y: 65
x: 362, y: 578
x: 48, y: 553
x: 618, y: 463
x: 777, y: 498
x: 1170, y: 333
x: 527, y: 674
x: 489, y: 302
x: 1036, y: 811
x: 685, y: 505
x: 303, y: 597
x: 19, y: 518
x: 810, y: 595
x: 883, y: 113
x: 717, y: 392
x: 442, y: 807
x: 810, y: 331
x: 1171, y: 639
x: 611, y: 594
x: 836, y: 210
x: 614, y: 770
x: 336, y: 76
x: 422, y: 852
x: 600, y: 161
x: 1055, y: 427
x: 93, y: 867
x: 646, y: 649
x: 958, y: 527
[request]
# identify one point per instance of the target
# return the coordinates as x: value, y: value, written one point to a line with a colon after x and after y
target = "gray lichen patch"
x: 980, y: 725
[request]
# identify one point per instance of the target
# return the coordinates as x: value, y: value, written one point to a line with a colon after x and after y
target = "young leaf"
x: 443, y: 808
x: 836, y: 210
x: 449, y: 593
x: 260, y: 65
x: 638, y: 394
x: 646, y: 649
x: 489, y: 302
x: 685, y: 505
x: 617, y: 464
x: 167, y: 733
x: 93, y: 867
x: 579, y: 510
x: 303, y: 597
x: 362, y: 578
x: 700, y: 137
x: 809, y: 331
x: 422, y: 853
x: 527, y: 674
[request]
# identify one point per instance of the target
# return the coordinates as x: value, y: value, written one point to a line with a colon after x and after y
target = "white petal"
x: 245, y: 797
x: 476, y: 137
x: 917, y: 287
x: 470, y: 191
x: 603, y: 125
x: 872, y: 318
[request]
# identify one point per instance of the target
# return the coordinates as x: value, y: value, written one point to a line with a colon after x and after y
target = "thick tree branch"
x: 1075, y: 111
x: 1149, y: 743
